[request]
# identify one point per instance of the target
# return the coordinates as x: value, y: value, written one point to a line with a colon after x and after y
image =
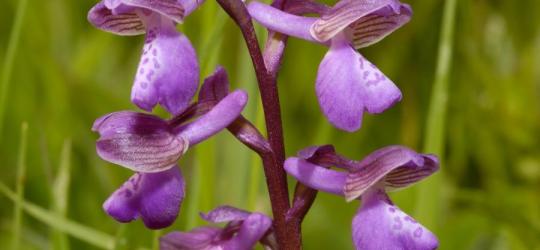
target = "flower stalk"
x: 287, y: 232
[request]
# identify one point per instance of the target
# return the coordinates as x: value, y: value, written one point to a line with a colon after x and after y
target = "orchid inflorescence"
x: 346, y: 86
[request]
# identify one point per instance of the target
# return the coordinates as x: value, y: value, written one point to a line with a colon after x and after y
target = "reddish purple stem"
x: 288, y: 234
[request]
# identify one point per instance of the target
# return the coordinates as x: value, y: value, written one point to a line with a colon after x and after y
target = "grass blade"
x: 10, y: 56
x: 429, y: 195
x: 61, y: 194
x: 21, y: 173
x: 75, y: 229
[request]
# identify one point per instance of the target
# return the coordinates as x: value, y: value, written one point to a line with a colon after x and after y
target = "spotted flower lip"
x: 153, y: 197
x: 378, y: 224
x: 168, y: 72
x: 243, y: 231
x: 347, y: 84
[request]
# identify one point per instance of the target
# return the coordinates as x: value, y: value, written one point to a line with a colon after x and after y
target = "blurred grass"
x: 430, y: 197
x: 66, y: 73
x: 21, y: 175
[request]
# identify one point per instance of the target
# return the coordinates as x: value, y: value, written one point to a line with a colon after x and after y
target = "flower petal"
x: 140, y: 142
x: 315, y: 151
x: 343, y: 14
x: 198, y: 238
x: 190, y: 5
x: 316, y: 177
x: 125, y: 24
x: 253, y: 228
x: 172, y: 9
x: 379, y: 225
x: 402, y: 165
x: 376, y: 26
x: 225, y: 112
x: 406, y: 175
x: 168, y: 72
x: 127, y: 122
x: 347, y: 84
x: 111, y: 4
x: 282, y: 22
x: 215, y: 86
x: 225, y: 214
x: 155, y: 197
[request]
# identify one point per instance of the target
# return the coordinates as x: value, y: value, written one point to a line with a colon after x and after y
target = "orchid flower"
x: 152, y: 146
x: 242, y: 232
x: 378, y: 223
x: 168, y: 71
x: 347, y: 84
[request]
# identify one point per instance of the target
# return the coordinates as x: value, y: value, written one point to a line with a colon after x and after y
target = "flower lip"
x: 379, y: 224
x: 168, y: 71
x: 347, y: 85
x: 153, y: 197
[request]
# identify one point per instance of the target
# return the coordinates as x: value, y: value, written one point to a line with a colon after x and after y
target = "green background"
x: 59, y: 74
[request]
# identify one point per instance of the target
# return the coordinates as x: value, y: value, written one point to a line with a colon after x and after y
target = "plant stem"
x: 288, y: 236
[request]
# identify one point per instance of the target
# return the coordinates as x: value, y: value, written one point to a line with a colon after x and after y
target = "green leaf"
x: 60, y: 194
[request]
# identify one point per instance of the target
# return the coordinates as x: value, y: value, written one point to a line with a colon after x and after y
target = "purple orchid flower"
x: 378, y: 224
x: 347, y: 84
x: 152, y: 146
x: 168, y: 72
x: 242, y: 232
